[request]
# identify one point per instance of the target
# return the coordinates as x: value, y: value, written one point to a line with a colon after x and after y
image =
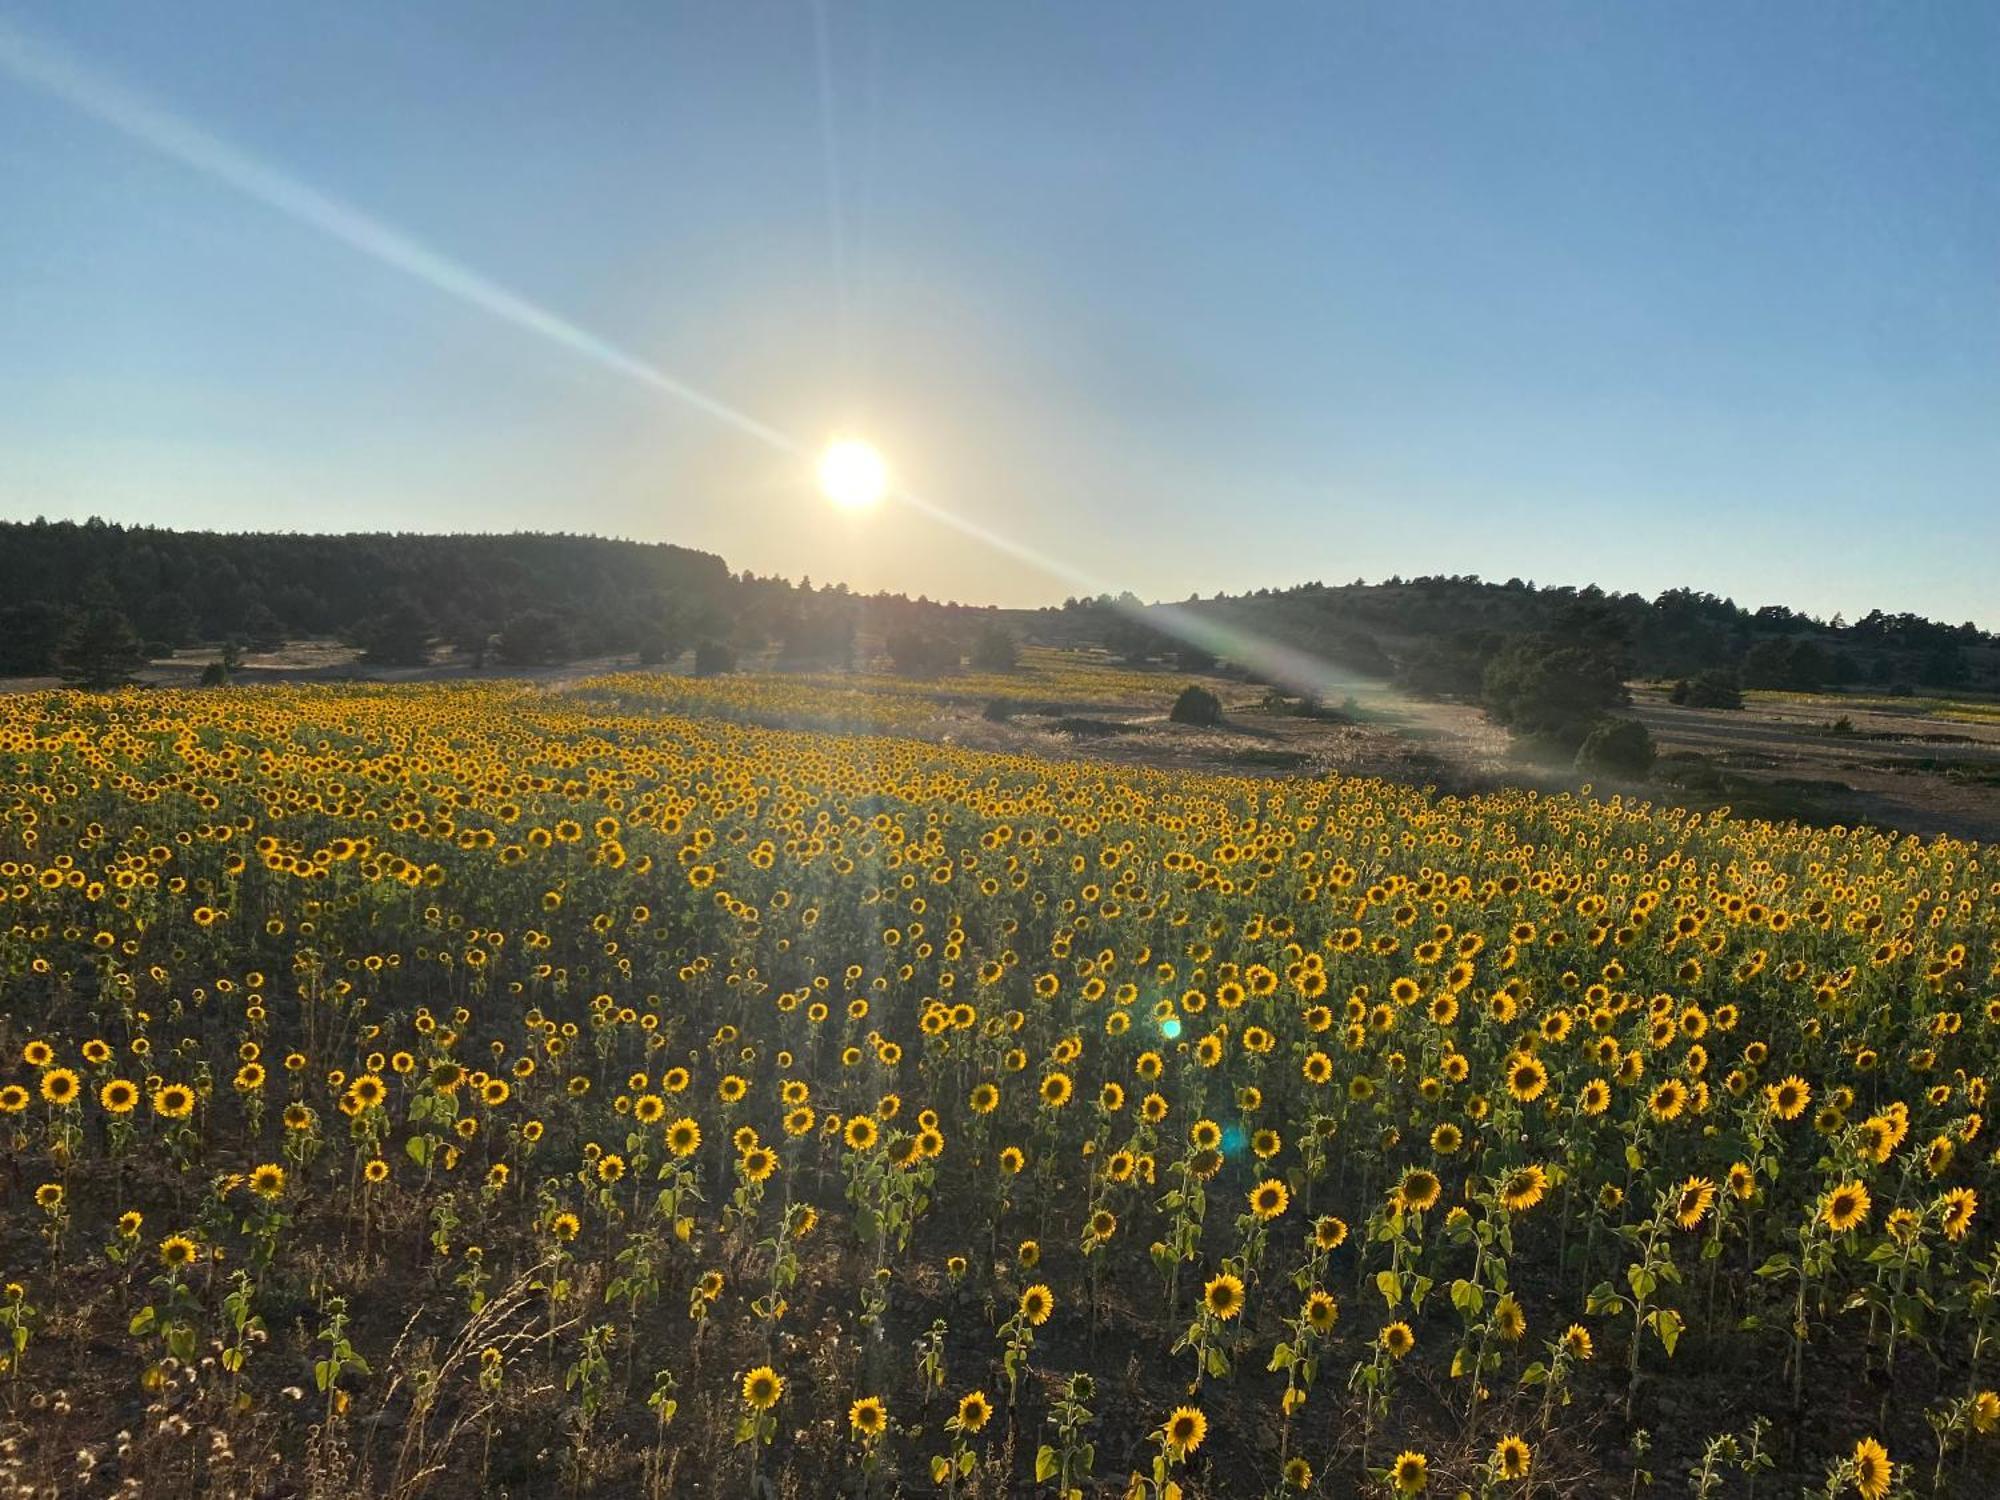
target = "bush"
x: 1196, y: 705
x: 995, y: 650
x: 714, y: 659
x: 1718, y: 687
x: 916, y: 654
x: 1616, y: 747
x: 1551, y: 692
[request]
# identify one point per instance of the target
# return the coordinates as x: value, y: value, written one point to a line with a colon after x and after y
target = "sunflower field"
x: 455, y: 1090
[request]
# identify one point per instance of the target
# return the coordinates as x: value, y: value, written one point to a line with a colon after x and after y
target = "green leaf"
x: 144, y: 1319
x: 1390, y: 1285
x: 1535, y: 1374
x: 419, y: 1149
x: 1045, y: 1464
x: 1667, y: 1324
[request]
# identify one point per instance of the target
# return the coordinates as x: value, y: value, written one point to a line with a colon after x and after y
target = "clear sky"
x: 1189, y: 296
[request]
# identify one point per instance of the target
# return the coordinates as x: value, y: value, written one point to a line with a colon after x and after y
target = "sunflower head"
x: 762, y: 1387
x: 1185, y: 1429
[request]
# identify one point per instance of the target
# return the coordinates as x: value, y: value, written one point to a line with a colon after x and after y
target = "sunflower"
x: 868, y: 1417
x: 758, y: 1163
x: 1523, y: 1188
x: 1697, y: 1197
x: 974, y: 1411
x: 1668, y: 1100
x: 762, y: 1387
x: 1321, y: 1312
x: 1959, y: 1204
x: 119, y: 1096
x: 684, y: 1137
x: 1419, y: 1190
x: 861, y: 1133
x: 1873, y: 1472
x: 1578, y: 1344
x: 1397, y: 1340
x: 1205, y: 1135
x: 1509, y: 1321
x: 1512, y: 1457
x: 1986, y: 1411
x: 60, y: 1087
x: 1223, y: 1296
x: 1329, y: 1232
x: 1269, y: 1199
x: 1788, y: 1097
x: 1845, y: 1208
x: 177, y: 1251
x: 1527, y: 1079
x: 1185, y: 1429
x: 1037, y: 1302
x: 267, y: 1180
x: 1410, y: 1473
x: 174, y: 1101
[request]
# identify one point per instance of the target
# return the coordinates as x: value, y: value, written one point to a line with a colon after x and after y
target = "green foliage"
x: 1551, y: 691
x: 1616, y: 747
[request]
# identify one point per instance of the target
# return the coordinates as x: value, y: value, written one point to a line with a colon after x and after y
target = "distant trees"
x: 918, y: 653
x: 534, y: 638
x: 1791, y: 663
x: 101, y: 650
x: 400, y: 636
x: 30, y: 635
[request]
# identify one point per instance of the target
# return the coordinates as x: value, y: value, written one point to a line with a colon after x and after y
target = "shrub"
x: 1196, y: 705
x: 1550, y: 691
x: 916, y: 654
x: 995, y: 650
x: 1718, y: 687
x: 1616, y: 747
x: 714, y: 658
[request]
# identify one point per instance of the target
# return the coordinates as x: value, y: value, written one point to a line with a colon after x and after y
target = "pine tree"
x: 102, y: 651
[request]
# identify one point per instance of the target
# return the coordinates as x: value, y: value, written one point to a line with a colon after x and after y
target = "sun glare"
x: 852, y: 474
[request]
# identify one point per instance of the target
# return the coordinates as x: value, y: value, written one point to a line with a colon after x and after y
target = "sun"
x: 852, y: 474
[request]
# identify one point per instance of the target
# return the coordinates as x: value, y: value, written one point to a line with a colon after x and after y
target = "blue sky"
x: 1187, y: 296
